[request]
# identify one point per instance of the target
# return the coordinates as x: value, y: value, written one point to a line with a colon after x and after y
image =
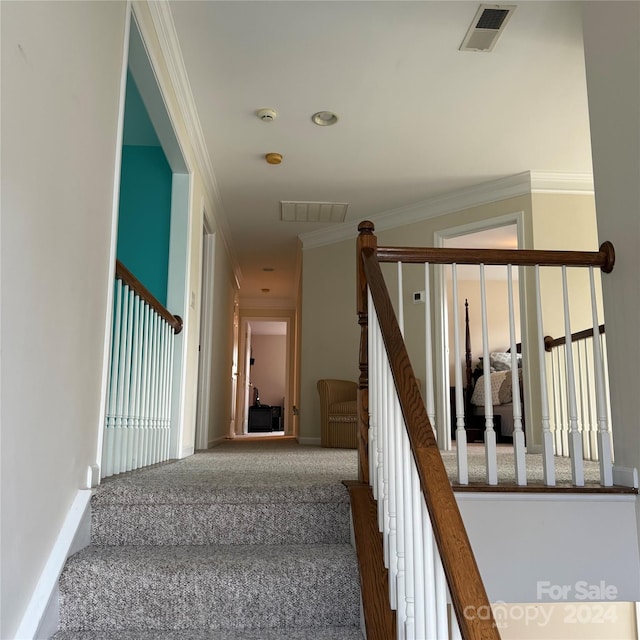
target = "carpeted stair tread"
x: 210, y: 587
x: 222, y: 523
x: 324, y: 633
x: 267, y: 473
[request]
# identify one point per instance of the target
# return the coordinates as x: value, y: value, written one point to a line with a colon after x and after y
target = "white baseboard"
x: 625, y: 476
x: 310, y: 442
x: 73, y: 536
x: 185, y: 452
x: 216, y: 441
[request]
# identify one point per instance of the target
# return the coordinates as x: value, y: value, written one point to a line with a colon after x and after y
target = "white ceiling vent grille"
x: 291, y: 211
x: 486, y: 27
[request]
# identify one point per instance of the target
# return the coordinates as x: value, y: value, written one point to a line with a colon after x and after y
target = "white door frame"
x: 441, y: 322
x: 234, y: 366
x: 205, y: 352
x: 243, y: 389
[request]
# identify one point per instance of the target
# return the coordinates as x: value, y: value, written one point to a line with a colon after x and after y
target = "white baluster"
x: 429, y: 574
x: 549, y: 471
x: 386, y: 428
x: 556, y: 427
x: 384, y: 511
x: 373, y: 408
x: 400, y: 517
x: 461, y: 434
x: 407, y: 494
x: 582, y: 392
x: 108, y: 448
x: 518, y: 433
x: 400, y: 300
x: 137, y: 383
x: 591, y: 404
x: 126, y: 400
x: 146, y: 387
x: 133, y: 387
x: 442, y: 618
x: 575, y: 438
x: 429, y: 382
x: 604, y: 439
x: 418, y: 554
x: 456, y: 634
x: 394, y: 536
x: 122, y: 366
x: 166, y: 392
x: 154, y: 389
x: 489, y: 432
x: 169, y: 385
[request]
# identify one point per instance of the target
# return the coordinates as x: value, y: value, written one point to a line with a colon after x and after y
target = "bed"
x: 501, y: 389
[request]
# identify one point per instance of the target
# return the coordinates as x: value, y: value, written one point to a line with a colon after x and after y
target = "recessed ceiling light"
x: 324, y: 118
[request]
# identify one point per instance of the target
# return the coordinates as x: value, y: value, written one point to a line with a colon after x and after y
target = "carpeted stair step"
x: 326, y: 633
x: 268, y: 515
x: 210, y: 587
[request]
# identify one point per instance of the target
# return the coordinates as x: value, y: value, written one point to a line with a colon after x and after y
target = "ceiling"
x: 417, y: 117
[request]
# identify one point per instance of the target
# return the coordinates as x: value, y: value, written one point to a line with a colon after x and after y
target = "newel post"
x: 366, y: 240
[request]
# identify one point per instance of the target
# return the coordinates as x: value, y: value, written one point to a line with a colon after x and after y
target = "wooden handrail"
x: 122, y: 273
x: 550, y: 342
x: 604, y: 258
x: 460, y: 567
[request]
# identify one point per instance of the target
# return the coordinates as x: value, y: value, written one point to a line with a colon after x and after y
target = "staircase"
x: 175, y: 554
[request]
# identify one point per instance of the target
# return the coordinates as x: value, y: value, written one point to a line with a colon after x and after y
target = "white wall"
x: 522, y: 540
x: 61, y: 73
x: 222, y: 354
x: 612, y: 55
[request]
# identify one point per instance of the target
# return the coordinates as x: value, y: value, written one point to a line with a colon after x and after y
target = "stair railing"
x: 592, y: 400
x: 424, y: 538
x: 138, y: 416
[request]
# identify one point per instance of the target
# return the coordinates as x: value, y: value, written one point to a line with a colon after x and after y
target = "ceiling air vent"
x: 291, y: 211
x: 486, y: 27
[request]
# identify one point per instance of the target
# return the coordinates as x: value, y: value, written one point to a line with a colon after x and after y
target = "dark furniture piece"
x: 264, y: 418
x: 260, y: 419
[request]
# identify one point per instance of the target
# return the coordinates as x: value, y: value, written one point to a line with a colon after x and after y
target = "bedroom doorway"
x: 263, y: 396
x: 504, y: 232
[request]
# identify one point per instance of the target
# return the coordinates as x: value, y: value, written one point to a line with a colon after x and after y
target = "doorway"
x: 205, y: 347
x: 504, y: 232
x: 264, y: 393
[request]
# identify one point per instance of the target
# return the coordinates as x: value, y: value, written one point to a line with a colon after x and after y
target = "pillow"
x: 500, y: 361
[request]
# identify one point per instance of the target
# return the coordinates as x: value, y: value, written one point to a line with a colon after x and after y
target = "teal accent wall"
x: 144, y: 218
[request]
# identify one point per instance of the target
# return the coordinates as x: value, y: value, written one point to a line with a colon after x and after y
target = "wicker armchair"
x: 338, y: 413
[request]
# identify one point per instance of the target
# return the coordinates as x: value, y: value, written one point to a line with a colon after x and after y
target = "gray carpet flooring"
x: 506, y: 466
x: 246, y: 541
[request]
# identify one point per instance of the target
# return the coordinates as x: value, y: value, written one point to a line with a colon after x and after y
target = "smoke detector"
x: 267, y: 115
x: 486, y: 27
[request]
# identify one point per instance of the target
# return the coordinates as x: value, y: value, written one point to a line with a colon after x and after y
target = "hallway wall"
x: 61, y: 77
x: 63, y: 73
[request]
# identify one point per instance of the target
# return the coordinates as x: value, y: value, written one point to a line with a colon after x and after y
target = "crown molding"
x: 512, y: 186
x: 164, y: 28
x: 563, y: 183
